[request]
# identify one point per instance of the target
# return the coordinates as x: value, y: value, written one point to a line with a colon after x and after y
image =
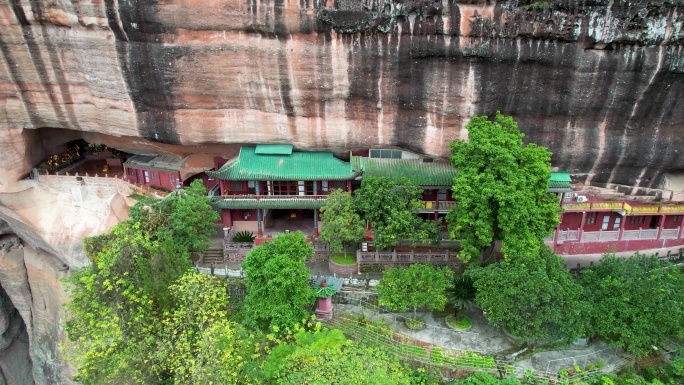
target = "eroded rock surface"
x: 598, y: 82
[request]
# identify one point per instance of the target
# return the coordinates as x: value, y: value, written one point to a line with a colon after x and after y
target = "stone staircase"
x: 213, y: 255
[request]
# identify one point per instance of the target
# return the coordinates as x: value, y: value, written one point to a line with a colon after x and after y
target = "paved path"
x: 488, y: 340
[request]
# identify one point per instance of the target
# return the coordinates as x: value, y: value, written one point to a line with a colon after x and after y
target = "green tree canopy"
x: 328, y: 357
x: 118, y: 301
x: 341, y: 223
x: 198, y: 343
x: 390, y: 207
x: 277, y: 282
x: 538, y: 300
x: 501, y: 188
x: 637, y: 301
x: 421, y: 284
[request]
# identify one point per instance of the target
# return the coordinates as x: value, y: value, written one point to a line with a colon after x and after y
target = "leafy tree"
x: 461, y: 294
x: 277, y: 282
x: 390, y: 206
x: 325, y: 357
x: 501, y: 188
x: 538, y: 301
x: 637, y: 302
x: 198, y: 344
x: 418, y: 285
x: 342, y: 224
x: 119, y: 300
x: 184, y: 216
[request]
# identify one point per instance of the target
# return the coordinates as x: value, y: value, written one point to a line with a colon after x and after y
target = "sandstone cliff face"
x: 598, y: 82
x: 51, y: 222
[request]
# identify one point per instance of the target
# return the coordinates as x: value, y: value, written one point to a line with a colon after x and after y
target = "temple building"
x: 269, y: 189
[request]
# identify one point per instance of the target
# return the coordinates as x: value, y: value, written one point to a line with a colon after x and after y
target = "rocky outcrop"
x: 42, y: 225
x: 598, y: 82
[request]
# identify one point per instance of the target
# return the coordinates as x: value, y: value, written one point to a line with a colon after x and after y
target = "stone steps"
x: 213, y: 255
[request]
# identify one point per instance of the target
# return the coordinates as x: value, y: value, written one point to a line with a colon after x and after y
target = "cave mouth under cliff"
x: 16, y: 366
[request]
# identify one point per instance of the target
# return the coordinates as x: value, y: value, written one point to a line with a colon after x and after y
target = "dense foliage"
x: 461, y: 294
x: 637, y: 302
x: 328, y: 357
x: 278, y: 290
x: 538, y: 301
x: 342, y: 225
x: 502, y: 191
x: 390, y: 206
x: 421, y: 284
x: 119, y: 300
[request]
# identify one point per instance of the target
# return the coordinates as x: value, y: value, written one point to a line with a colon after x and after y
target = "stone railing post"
x: 412, y: 256
x: 358, y: 261
x: 394, y: 255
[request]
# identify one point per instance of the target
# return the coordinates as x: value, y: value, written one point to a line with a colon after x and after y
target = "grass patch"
x: 463, y: 323
x: 340, y: 259
x: 137, y: 196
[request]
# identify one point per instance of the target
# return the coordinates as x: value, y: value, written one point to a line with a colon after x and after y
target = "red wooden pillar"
x: 661, y: 225
x: 349, y: 187
x: 581, y: 228
x: 315, y: 232
x: 260, y: 231
x: 622, y: 227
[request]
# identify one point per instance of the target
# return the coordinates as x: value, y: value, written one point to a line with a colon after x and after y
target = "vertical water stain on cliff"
x: 411, y: 120
x: 364, y: 73
x: 38, y: 63
x: 280, y: 30
x: 68, y: 101
x: 146, y: 65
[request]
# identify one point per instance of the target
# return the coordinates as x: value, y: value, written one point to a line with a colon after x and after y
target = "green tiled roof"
x: 270, y: 149
x: 560, y: 177
x: 560, y: 182
x: 270, y: 203
x: 424, y: 174
x: 296, y: 166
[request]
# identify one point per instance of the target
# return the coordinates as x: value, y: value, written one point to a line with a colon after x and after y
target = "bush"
x: 341, y: 259
x: 243, y: 236
x: 462, y: 323
x: 414, y: 323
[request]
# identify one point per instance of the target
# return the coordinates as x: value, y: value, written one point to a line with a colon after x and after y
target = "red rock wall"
x: 600, y: 82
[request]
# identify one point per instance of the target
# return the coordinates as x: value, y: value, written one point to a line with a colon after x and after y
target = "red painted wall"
x: 670, y: 222
x: 635, y: 226
x: 571, y: 221
x: 599, y: 221
x: 239, y: 215
x: 365, y: 153
x: 219, y: 161
x: 208, y: 184
x: 571, y: 248
x: 157, y: 178
x: 226, y: 217
x: 429, y: 195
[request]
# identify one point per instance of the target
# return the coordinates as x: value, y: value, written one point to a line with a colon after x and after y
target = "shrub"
x: 243, y: 236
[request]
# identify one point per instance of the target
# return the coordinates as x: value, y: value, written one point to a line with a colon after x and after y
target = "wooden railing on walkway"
x: 236, y: 251
x: 613, y: 235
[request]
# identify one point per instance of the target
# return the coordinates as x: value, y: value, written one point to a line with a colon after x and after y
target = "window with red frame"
x: 590, y: 219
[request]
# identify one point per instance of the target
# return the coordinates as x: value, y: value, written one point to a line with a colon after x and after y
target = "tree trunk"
x: 486, y: 254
